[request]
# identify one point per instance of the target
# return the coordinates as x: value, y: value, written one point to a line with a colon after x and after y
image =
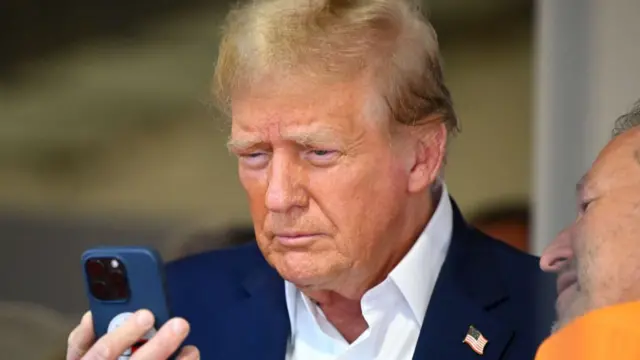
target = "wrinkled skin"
x: 597, y: 258
x: 337, y: 193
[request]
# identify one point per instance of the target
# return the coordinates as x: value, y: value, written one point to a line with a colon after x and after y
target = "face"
x: 328, y: 187
x: 597, y: 258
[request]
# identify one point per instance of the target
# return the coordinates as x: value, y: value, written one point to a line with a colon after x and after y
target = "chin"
x: 304, y: 280
x: 296, y: 267
x: 304, y: 269
x: 575, y: 308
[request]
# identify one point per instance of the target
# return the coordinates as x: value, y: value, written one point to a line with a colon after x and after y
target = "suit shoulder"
x: 211, y: 277
x: 517, y: 268
x: 230, y: 260
x: 531, y: 290
x: 510, y: 256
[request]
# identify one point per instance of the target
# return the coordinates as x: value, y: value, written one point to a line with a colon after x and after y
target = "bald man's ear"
x: 429, y: 154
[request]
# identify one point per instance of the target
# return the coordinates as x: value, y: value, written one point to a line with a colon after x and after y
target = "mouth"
x: 295, y: 239
x: 566, y: 280
x: 567, y: 287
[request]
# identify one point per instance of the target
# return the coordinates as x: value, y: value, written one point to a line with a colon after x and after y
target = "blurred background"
x: 107, y: 135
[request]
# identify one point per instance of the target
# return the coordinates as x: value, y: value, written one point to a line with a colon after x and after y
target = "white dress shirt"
x: 394, y: 309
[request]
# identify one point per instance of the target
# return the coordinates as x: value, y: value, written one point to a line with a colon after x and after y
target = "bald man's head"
x: 598, y: 256
x: 628, y: 121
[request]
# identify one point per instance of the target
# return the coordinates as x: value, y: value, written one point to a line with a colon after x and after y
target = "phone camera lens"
x: 121, y: 292
x: 118, y: 283
x: 116, y: 277
x: 95, y: 268
x: 100, y: 290
x: 107, y: 279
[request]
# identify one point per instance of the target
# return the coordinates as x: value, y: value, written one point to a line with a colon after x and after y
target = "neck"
x: 344, y: 314
x: 410, y: 224
x: 342, y: 306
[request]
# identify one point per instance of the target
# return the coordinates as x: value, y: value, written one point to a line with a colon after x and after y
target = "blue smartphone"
x: 121, y: 280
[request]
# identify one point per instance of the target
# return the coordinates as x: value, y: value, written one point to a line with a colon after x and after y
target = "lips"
x: 295, y: 239
x: 292, y: 232
x: 565, y: 280
x: 295, y: 234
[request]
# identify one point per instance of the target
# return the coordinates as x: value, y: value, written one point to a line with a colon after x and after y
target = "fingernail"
x: 144, y: 318
x: 85, y: 317
x: 178, y: 326
x: 72, y: 336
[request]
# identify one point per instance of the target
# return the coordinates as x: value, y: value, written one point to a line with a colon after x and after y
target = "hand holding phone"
x: 115, y: 345
x: 130, y: 317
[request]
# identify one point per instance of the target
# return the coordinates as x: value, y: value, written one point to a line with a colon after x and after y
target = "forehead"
x: 295, y: 107
x: 618, y: 165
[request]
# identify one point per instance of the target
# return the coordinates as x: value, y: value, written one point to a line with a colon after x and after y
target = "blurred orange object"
x: 509, y: 223
x: 610, y: 333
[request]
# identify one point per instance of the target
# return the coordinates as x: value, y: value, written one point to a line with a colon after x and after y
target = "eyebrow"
x: 580, y: 185
x: 306, y: 137
x: 240, y: 144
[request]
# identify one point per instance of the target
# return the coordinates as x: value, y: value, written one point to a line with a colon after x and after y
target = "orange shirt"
x: 611, y: 333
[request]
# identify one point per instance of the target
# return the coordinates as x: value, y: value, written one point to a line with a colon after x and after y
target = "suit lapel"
x: 467, y: 288
x: 265, y: 330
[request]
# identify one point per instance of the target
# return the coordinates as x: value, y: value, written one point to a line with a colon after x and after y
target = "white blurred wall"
x: 587, y: 74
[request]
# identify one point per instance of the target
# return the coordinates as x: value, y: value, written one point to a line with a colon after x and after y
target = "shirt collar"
x: 416, y: 274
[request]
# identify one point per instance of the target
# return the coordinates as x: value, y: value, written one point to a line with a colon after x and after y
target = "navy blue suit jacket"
x: 236, y: 304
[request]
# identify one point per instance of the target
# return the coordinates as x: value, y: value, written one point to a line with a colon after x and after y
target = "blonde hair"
x: 389, y: 40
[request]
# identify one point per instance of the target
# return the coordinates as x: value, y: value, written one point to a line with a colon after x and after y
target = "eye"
x: 584, y: 206
x: 322, y: 156
x: 254, y: 159
x: 321, y: 152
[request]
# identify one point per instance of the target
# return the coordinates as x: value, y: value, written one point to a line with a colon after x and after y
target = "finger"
x: 166, y: 342
x: 81, y: 338
x: 189, y: 353
x: 113, y: 344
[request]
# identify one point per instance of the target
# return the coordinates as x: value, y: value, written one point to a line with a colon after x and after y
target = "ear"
x: 429, y: 156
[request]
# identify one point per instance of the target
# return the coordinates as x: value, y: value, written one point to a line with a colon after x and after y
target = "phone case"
x: 145, y: 273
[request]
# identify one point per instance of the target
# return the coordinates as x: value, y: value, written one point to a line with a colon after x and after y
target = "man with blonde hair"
x: 340, y: 120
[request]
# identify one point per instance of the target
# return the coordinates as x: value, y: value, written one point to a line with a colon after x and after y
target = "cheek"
x: 603, y: 260
x: 359, y: 200
x: 255, y: 187
x: 586, y: 248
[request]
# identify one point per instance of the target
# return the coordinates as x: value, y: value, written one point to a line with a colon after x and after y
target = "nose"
x: 556, y: 255
x: 285, y: 190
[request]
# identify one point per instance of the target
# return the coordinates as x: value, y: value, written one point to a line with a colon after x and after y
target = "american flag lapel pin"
x: 475, y: 340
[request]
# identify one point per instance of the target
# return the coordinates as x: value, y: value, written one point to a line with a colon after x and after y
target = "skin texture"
x: 598, y: 256
x: 336, y: 199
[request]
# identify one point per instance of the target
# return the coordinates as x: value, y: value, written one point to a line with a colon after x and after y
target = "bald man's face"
x: 597, y: 258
